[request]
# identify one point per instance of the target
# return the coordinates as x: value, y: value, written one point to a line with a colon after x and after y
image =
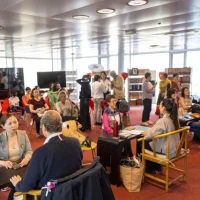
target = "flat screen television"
x: 45, y: 78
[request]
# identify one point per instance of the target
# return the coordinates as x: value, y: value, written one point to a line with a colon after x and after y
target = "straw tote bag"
x: 131, y: 177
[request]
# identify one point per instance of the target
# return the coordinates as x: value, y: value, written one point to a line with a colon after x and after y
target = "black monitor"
x: 45, y: 78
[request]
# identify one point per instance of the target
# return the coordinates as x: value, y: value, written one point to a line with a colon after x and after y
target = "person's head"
x: 169, y: 106
x: 86, y: 78
x: 9, y: 123
x: 35, y: 93
x: 37, y: 87
x: 51, y: 123
x: 111, y: 100
x: 58, y: 86
x: 185, y: 92
x: 113, y: 74
x: 28, y: 90
x: 103, y: 75
x: 14, y: 93
x: 164, y: 76
x: 171, y: 93
x: 176, y: 77
x: 51, y: 85
x: 62, y: 96
x: 96, y: 78
x: 147, y: 76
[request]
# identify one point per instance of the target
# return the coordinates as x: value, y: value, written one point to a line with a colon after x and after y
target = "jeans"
x: 146, y: 110
x: 37, y: 123
x: 97, y: 110
x: 15, y: 108
x: 195, y: 127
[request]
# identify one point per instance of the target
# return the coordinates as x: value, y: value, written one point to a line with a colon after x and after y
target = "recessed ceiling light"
x: 106, y: 10
x: 80, y: 17
x: 137, y: 2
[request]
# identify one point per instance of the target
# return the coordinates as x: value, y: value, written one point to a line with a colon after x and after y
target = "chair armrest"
x: 31, y: 192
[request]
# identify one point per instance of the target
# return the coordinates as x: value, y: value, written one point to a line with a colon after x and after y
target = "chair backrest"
x: 4, y: 105
x: 46, y: 99
x: 182, y: 142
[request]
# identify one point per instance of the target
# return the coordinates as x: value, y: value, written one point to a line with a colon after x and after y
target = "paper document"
x: 133, y: 132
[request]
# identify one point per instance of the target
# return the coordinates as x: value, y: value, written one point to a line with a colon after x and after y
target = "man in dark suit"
x: 57, y: 158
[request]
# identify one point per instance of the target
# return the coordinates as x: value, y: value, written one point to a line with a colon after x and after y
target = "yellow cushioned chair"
x: 167, y: 160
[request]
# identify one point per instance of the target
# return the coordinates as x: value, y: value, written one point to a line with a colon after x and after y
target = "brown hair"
x: 61, y: 93
x: 5, y: 117
x: 33, y: 91
x: 109, y: 97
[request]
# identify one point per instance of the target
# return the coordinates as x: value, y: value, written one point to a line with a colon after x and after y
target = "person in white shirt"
x: 14, y: 103
x: 105, y: 82
x: 98, y: 90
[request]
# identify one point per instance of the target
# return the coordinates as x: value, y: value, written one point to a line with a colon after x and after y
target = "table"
x: 109, y: 150
x: 6, y: 174
x: 184, y: 119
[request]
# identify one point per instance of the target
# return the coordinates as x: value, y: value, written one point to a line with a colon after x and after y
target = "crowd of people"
x: 15, y: 146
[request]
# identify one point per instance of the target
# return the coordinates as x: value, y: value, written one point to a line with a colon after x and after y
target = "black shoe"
x: 98, y: 123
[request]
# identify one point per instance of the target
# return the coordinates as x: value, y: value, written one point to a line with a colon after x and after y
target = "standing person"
x: 105, y: 82
x: 85, y: 95
x: 58, y: 157
x: 175, y: 83
x: 164, y: 85
x: 37, y: 107
x: 117, y: 84
x: 14, y: 103
x: 147, y: 95
x: 98, y: 91
x: 4, y: 80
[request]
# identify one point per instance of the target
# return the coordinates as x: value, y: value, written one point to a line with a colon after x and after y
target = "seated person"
x: 67, y: 109
x: 0, y: 110
x: 26, y: 99
x: 14, y: 146
x: 14, y: 103
x: 37, y: 108
x: 168, y: 123
x: 111, y: 114
x: 59, y: 156
x: 185, y: 105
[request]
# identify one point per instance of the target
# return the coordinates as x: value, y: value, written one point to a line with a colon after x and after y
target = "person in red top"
x: 26, y: 98
x: 175, y: 84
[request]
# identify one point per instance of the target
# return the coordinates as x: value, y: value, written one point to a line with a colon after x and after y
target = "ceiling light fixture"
x: 137, y: 2
x: 105, y: 10
x: 80, y: 17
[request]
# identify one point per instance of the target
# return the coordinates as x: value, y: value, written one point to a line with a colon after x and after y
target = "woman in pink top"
x: 111, y: 114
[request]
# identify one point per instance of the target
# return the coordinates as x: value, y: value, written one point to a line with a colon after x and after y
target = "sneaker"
x: 144, y: 124
x: 150, y: 122
x: 5, y: 189
x: 23, y: 117
x: 31, y: 123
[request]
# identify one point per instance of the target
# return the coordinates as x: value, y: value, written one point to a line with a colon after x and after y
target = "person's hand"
x: 155, y: 84
x: 24, y: 162
x: 144, y: 133
x: 7, y: 164
x: 15, y: 179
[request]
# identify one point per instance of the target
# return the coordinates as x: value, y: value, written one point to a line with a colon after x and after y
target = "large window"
x: 113, y: 64
x: 193, y: 61
x: 178, y: 60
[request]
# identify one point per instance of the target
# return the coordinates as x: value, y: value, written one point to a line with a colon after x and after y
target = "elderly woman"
x: 14, y: 144
x: 67, y: 109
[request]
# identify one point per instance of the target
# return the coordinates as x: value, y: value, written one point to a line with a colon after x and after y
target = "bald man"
x: 58, y: 157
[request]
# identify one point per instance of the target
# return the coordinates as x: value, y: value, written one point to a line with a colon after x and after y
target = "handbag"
x: 87, y: 142
x: 195, y: 108
x: 124, y: 106
x: 131, y: 175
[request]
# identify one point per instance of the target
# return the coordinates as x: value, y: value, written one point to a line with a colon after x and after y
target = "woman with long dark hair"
x: 168, y: 123
x: 185, y: 106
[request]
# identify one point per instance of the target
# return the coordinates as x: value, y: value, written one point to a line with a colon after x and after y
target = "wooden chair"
x: 37, y: 193
x: 167, y: 160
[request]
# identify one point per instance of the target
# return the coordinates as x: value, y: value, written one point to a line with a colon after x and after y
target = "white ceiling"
x: 33, y: 27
